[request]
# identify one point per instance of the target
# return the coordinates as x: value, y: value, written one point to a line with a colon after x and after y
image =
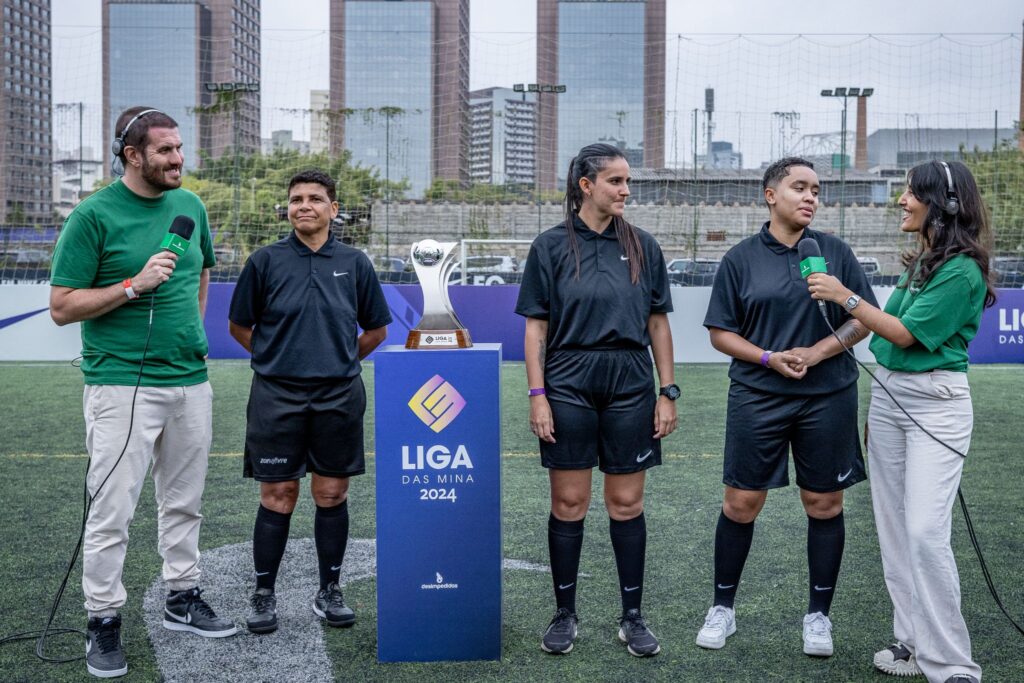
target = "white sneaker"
x: 817, y: 635
x: 719, y: 624
x: 897, y: 660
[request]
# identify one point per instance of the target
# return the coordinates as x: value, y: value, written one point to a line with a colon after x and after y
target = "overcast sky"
x: 503, y: 51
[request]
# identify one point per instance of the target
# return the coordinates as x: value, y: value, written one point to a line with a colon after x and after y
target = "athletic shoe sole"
x: 266, y: 628
x: 189, y: 628
x: 897, y: 667
x: 818, y: 651
x: 108, y: 673
x: 556, y: 652
x: 342, y: 623
x: 623, y: 638
x: 716, y: 644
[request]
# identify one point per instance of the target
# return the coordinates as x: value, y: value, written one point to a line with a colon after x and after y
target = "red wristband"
x: 765, y: 356
x: 128, y: 291
x: 539, y: 391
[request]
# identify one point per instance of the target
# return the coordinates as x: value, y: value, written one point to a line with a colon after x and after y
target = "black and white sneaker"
x: 104, y: 656
x: 961, y: 678
x: 263, y: 615
x: 561, y: 632
x: 897, y: 660
x: 329, y: 604
x: 187, y: 611
x: 639, y: 640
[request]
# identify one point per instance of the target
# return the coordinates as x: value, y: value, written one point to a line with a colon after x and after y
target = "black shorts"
x: 602, y: 403
x: 821, y: 430
x: 293, y: 426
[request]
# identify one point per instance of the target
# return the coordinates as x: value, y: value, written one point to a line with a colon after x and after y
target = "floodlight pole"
x: 538, y: 88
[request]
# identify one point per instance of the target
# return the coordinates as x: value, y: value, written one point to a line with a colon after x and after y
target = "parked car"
x: 1007, y: 271
x: 869, y: 264
x: 698, y: 272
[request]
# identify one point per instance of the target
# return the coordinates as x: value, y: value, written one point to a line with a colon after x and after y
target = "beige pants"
x: 913, y: 487
x: 172, y: 430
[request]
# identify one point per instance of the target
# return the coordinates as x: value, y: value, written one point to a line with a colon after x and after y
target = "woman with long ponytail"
x: 595, y: 295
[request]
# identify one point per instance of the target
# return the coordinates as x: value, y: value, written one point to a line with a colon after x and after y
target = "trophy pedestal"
x: 438, y: 484
x: 438, y: 339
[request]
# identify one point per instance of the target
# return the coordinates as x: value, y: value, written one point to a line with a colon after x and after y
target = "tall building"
x: 319, y: 104
x: 399, y: 87
x: 26, y: 182
x: 897, y: 149
x: 207, y: 78
x: 502, y: 137
x: 623, y: 102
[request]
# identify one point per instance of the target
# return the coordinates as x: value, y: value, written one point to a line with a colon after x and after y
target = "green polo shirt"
x: 109, y: 237
x: 943, y: 316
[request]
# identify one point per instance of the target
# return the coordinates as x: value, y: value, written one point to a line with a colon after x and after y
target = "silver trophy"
x: 439, y: 328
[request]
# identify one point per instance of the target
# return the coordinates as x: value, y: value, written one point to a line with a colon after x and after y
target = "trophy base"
x: 438, y: 339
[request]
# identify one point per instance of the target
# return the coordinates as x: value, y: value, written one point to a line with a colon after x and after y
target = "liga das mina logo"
x: 437, y: 403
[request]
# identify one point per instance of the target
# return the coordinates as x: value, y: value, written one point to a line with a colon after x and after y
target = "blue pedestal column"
x: 438, y: 470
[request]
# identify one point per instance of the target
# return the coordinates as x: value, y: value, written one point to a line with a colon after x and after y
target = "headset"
x: 952, y: 205
x: 118, y: 145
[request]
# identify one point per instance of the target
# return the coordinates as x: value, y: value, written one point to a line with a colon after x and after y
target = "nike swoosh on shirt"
x: 337, y: 274
x: 624, y: 258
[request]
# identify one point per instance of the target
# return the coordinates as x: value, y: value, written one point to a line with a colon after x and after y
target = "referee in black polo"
x: 792, y: 388
x: 298, y: 307
x: 595, y: 294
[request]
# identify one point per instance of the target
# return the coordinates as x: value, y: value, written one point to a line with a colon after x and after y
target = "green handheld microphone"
x: 177, y: 238
x: 811, y: 261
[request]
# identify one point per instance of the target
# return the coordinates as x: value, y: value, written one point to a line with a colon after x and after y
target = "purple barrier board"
x: 1001, y: 334
x: 487, y: 312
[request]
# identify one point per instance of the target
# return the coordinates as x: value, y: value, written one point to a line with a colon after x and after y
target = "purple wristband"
x: 765, y: 356
x: 539, y: 391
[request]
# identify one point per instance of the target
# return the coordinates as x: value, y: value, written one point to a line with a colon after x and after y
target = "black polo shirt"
x: 603, y: 309
x: 758, y: 294
x: 305, y: 307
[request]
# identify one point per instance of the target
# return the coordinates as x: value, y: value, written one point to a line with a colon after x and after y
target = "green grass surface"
x: 42, y: 465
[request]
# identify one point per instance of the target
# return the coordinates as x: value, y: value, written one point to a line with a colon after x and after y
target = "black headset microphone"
x: 811, y: 261
x: 177, y: 241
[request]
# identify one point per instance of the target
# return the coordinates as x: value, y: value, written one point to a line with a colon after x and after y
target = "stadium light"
x: 844, y: 93
x: 539, y: 88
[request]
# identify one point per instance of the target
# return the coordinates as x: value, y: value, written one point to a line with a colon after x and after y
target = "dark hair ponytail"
x: 945, y: 235
x: 590, y: 161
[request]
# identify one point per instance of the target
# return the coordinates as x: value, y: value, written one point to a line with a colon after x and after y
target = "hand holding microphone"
x: 160, y: 266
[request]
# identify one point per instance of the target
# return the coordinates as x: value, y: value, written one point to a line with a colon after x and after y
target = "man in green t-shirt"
x: 147, y: 398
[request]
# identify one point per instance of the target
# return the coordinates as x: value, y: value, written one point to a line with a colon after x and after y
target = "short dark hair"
x: 774, y: 174
x: 138, y: 135
x: 314, y: 175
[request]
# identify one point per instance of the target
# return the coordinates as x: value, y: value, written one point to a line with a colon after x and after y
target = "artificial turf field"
x: 42, y: 463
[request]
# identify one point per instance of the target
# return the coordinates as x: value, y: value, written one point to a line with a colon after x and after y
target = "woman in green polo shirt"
x: 920, y: 342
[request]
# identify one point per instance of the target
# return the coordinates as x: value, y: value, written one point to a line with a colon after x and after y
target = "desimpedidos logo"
x: 437, y: 403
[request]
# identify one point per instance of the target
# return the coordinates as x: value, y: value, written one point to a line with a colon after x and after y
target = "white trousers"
x: 172, y: 430
x: 914, y: 481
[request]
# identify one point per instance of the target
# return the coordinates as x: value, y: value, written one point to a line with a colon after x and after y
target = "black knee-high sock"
x: 732, y: 545
x: 330, y: 532
x: 565, y: 541
x: 269, y: 537
x: 826, y: 539
x: 629, y: 541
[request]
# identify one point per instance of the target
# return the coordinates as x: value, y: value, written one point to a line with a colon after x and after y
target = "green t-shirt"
x: 109, y: 237
x: 943, y: 316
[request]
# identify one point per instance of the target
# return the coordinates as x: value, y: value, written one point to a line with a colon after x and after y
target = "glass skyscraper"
x: 399, y: 87
x: 610, y: 56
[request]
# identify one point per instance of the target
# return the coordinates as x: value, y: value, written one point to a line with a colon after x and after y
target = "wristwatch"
x: 852, y: 302
x: 671, y: 392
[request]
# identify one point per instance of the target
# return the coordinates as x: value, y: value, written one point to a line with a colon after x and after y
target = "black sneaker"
x: 187, y: 611
x: 263, y: 615
x: 639, y: 639
x: 561, y: 633
x: 329, y: 604
x: 104, y: 656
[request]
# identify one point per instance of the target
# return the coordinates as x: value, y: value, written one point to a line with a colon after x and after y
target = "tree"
x: 1000, y: 177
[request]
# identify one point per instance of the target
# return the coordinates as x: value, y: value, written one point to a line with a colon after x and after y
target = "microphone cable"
x: 48, y: 630
x: 959, y: 491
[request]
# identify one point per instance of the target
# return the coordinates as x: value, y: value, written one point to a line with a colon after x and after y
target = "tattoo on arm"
x: 851, y: 333
x: 542, y: 349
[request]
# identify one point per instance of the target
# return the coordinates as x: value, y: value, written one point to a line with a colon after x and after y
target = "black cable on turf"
x: 41, y: 635
x: 959, y: 491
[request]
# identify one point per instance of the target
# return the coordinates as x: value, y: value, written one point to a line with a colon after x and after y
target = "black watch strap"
x: 671, y: 392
